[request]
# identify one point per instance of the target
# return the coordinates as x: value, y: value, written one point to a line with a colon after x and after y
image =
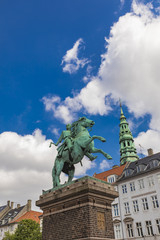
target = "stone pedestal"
x: 79, y: 210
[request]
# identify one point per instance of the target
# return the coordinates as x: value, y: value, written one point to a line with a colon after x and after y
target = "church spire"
x: 127, y: 148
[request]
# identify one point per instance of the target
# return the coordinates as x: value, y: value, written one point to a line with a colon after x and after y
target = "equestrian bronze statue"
x: 77, y: 143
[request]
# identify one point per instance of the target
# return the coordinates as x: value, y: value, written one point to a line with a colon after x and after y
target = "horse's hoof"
x: 94, y: 158
x: 103, y: 139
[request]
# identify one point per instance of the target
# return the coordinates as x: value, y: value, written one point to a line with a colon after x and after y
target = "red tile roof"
x: 115, y: 171
x: 29, y: 215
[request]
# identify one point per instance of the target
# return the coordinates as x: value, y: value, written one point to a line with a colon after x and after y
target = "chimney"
x: 8, y: 203
x: 18, y: 205
x: 12, y: 203
x: 150, y: 151
x: 29, y: 202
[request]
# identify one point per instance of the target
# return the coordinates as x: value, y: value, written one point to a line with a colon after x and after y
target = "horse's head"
x: 85, y: 122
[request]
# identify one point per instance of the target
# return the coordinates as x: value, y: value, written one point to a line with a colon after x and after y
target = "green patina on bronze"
x: 127, y: 148
x: 77, y: 143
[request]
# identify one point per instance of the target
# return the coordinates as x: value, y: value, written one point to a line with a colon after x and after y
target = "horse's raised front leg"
x: 56, y: 171
x: 95, y: 137
x: 102, y: 139
x: 96, y: 150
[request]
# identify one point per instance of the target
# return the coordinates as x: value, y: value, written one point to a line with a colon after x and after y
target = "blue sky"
x: 61, y: 60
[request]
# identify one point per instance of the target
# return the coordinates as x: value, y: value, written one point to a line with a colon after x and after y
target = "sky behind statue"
x: 61, y: 60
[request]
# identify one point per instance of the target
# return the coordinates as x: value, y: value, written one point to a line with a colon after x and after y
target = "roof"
x: 10, y: 215
x: 2, y: 207
x: 114, y: 171
x: 33, y: 215
x: 143, y: 161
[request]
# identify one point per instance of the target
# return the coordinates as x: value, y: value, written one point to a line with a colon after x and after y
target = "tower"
x: 128, y: 151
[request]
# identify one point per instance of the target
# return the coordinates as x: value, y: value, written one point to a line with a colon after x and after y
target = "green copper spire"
x: 127, y: 148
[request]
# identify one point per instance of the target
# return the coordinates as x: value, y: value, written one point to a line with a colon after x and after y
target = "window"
x: 111, y: 179
x: 149, y: 228
x: 132, y: 186
x: 158, y: 178
x: 12, y: 228
x: 150, y: 181
x: 124, y: 188
x: 126, y: 207
x: 141, y: 183
x: 117, y: 231
x: 155, y: 201
x: 128, y: 172
x: 139, y: 229
x: 154, y: 163
x: 135, y: 206
x: 130, y: 230
x: 145, y: 204
x: 115, y: 210
x: 158, y: 224
x: 140, y: 167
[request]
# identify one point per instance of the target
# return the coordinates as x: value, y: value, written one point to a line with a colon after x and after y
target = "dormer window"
x: 140, y: 167
x: 128, y: 172
x: 154, y: 163
x: 111, y: 179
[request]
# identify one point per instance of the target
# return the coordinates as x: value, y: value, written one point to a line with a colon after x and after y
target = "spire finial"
x: 120, y: 102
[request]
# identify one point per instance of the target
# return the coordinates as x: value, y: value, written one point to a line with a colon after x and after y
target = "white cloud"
x: 104, y: 165
x: 60, y: 110
x: 148, y: 139
x: 86, y: 165
x: 122, y: 3
x: 129, y: 69
x: 143, y: 10
x: 130, y: 64
x: 132, y: 125
x: 71, y: 63
x: 26, y: 166
x: 92, y: 99
x: 88, y: 74
x: 55, y: 131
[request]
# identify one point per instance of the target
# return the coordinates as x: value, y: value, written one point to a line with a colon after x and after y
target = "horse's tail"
x: 53, y: 173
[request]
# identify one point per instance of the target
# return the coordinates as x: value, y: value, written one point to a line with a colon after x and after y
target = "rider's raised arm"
x: 60, y: 139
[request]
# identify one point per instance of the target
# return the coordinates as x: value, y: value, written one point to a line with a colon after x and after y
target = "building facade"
x: 136, y: 215
x: 136, y: 212
x: 12, y: 216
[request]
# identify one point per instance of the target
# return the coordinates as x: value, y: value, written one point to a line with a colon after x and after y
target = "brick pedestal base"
x: 80, y: 210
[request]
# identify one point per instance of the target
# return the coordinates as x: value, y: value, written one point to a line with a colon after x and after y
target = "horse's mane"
x: 74, y: 129
x: 75, y: 125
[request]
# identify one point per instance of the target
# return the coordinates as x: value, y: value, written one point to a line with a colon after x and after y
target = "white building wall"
x: 116, y: 215
x: 11, y: 228
x: 142, y: 215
